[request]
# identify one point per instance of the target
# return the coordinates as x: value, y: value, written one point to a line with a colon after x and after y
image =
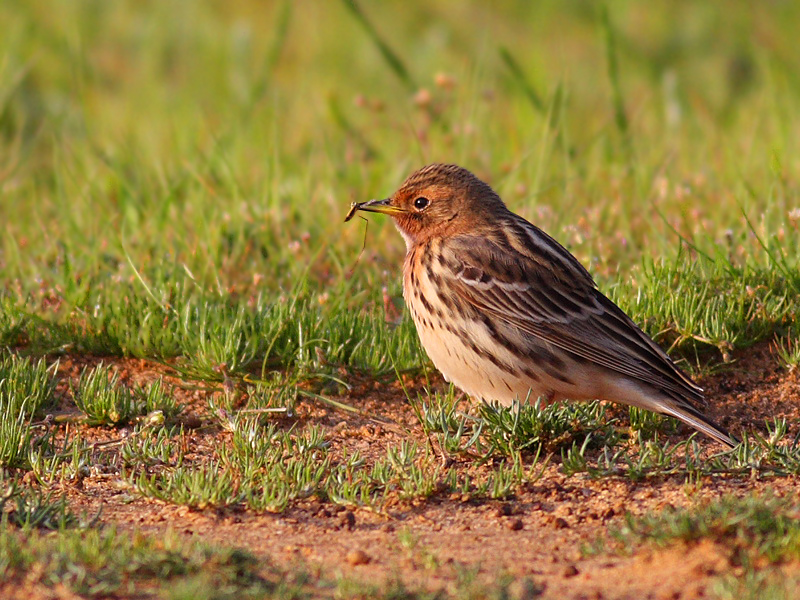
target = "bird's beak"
x: 378, y: 206
x: 381, y: 206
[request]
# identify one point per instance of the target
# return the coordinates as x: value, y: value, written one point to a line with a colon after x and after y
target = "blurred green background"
x: 146, y: 142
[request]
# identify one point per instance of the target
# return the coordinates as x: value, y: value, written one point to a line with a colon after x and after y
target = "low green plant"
x: 750, y: 528
x: 529, y: 427
x: 647, y: 424
x: 26, y: 381
x: 30, y: 508
x: 65, y: 461
x: 15, y: 435
x: 770, y: 583
x: 105, y: 400
x: 772, y: 455
x: 106, y: 563
x: 13, y: 322
x: 207, y: 485
x: 102, y: 398
x: 147, y: 446
x: 153, y: 398
x: 788, y: 349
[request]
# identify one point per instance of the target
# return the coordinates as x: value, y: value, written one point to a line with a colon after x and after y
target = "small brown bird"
x: 504, y: 311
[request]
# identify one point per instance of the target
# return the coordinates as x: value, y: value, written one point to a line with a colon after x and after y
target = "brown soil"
x: 536, y: 537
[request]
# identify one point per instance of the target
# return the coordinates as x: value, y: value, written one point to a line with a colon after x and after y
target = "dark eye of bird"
x: 421, y: 203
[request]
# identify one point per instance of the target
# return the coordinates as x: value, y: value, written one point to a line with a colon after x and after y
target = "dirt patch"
x: 536, y: 537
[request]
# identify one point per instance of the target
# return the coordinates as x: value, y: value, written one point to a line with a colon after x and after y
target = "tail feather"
x: 693, y: 417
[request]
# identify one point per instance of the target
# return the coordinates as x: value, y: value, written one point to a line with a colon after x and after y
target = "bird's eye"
x: 420, y: 203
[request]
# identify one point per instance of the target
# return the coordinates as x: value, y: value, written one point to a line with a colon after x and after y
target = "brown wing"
x: 525, y: 278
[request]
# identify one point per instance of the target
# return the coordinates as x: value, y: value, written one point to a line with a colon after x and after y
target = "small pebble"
x: 357, y: 557
x: 570, y: 571
x: 348, y: 521
x: 514, y: 524
x: 560, y: 523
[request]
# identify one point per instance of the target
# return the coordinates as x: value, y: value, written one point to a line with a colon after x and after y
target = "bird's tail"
x: 690, y: 415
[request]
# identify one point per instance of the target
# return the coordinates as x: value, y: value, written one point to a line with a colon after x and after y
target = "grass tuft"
x: 749, y: 528
x: 537, y: 426
x: 28, y: 382
x: 32, y: 509
x: 105, y: 563
x: 102, y: 398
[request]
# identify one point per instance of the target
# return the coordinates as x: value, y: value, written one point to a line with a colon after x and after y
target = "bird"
x: 507, y: 313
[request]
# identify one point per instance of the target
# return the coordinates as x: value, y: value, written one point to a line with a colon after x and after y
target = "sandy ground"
x: 535, y: 537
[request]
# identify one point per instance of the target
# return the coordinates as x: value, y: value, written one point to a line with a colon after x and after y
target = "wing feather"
x: 545, y: 292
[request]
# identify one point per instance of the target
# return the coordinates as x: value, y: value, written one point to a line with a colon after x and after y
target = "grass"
x: 271, y: 470
x: 26, y: 387
x: 33, y: 509
x: 708, y: 305
x: 100, y: 563
x: 752, y: 531
x: 105, y: 401
x: 750, y: 528
x: 27, y: 382
x: 172, y: 182
x: 650, y: 458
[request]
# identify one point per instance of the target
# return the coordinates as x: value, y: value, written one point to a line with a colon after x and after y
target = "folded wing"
x: 544, y: 291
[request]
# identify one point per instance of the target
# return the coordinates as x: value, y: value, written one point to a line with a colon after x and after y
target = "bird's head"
x: 439, y: 200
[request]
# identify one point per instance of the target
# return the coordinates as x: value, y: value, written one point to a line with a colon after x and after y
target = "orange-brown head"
x: 439, y: 200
